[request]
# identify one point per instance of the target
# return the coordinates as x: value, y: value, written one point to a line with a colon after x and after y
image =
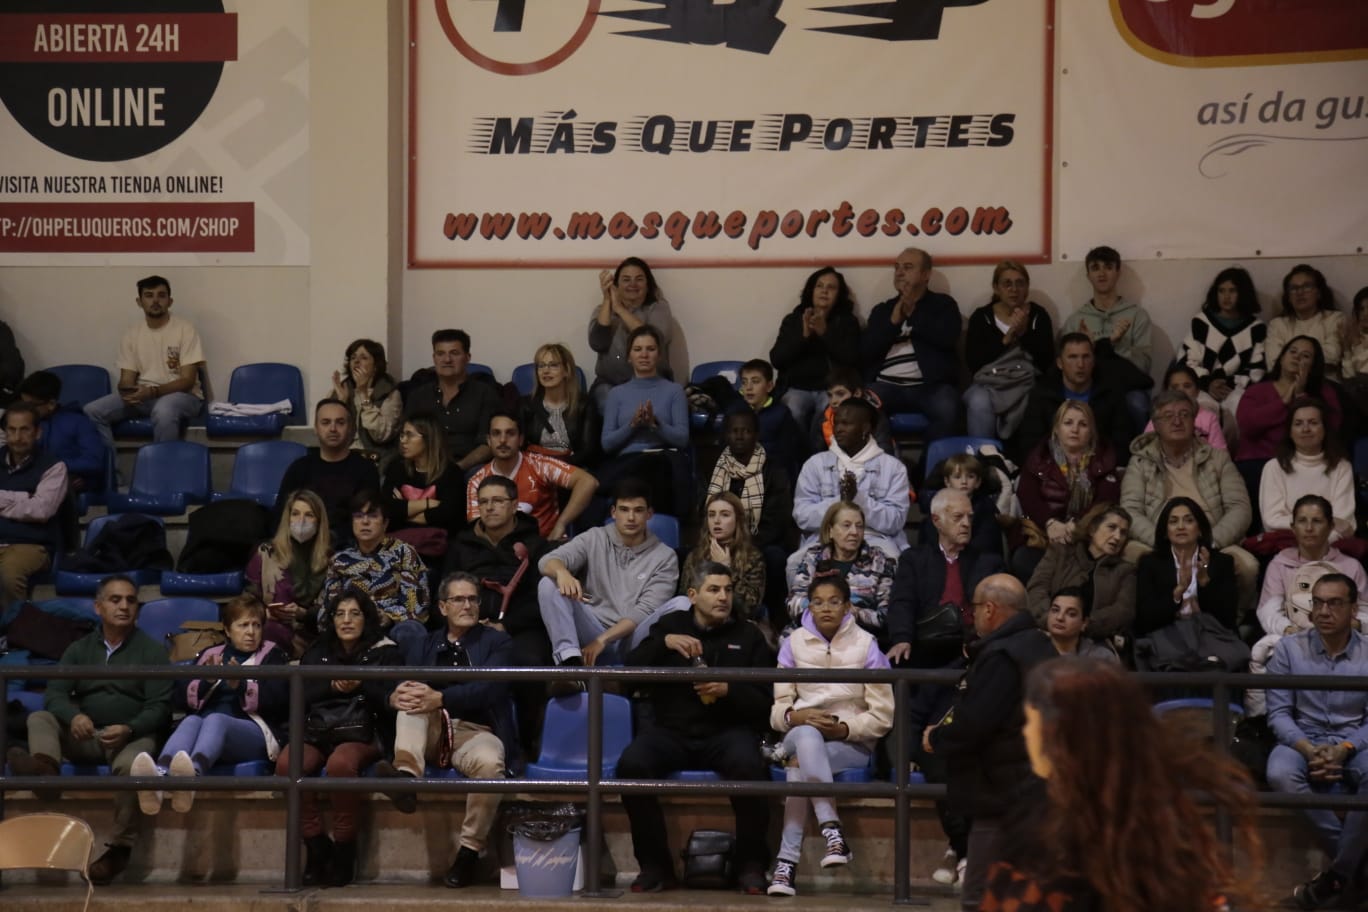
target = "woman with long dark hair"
x: 1184, y: 574
x: 1299, y: 371
x: 1118, y: 825
x: 1309, y: 460
x: 820, y: 334
x: 1225, y: 345
x: 631, y: 299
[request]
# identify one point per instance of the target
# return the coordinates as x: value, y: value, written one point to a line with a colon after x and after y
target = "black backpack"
x: 223, y: 535
x: 130, y: 542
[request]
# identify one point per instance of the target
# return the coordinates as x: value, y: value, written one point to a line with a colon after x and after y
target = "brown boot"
x: 22, y: 763
x: 110, y: 865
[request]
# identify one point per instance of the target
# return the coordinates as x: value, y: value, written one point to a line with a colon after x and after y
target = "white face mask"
x: 302, y: 530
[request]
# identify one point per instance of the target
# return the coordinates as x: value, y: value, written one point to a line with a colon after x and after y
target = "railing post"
x: 593, y: 820
x: 1222, y: 733
x: 294, y: 837
x: 902, y: 811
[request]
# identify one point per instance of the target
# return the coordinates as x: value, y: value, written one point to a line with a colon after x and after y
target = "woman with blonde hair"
x: 287, y: 572
x: 726, y: 539
x: 560, y: 419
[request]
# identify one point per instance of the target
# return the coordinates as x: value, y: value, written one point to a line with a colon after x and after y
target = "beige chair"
x: 52, y: 841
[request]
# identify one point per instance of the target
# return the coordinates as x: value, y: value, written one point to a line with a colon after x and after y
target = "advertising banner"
x: 728, y: 132
x: 154, y: 132
x: 1214, y: 128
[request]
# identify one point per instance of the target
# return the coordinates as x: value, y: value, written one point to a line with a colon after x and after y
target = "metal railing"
x: 594, y: 786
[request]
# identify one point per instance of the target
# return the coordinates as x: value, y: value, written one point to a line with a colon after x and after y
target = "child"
x: 1120, y: 329
x: 842, y: 384
x: 779, y: 433
x: 827, y: 727
x: 964, y: 472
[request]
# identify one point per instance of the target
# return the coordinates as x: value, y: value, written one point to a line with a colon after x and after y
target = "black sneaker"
x: 404, y: 802
x: 751, y: 879
x: 653, y: 880
x: 837, y: 849
x: 1319, y: 892
x: 785, y: 873
x: 567, y: 687
x: 464, y: 870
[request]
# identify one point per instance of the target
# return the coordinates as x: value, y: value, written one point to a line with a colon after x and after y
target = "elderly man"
x: 1172, y: 462
x: 1323, y: 734
x: 467, y: 725
x: 985, y: 754
x: 461, y: 404
x: 857, y: 470
x: 910, y: 347
x: 714, y: 725
x: 930, y: 612
x: 103, y: 720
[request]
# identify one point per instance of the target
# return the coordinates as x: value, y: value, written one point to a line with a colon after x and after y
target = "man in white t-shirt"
x: 159, y: 363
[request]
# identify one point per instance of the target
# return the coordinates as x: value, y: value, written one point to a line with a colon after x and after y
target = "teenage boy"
x: 842, y: 384
x: 779, y: 433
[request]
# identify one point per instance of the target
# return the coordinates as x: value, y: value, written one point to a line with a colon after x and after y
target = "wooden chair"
x: 50, y: 841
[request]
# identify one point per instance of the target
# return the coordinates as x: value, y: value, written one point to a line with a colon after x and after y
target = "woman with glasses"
x: 1009, y: 322
x: 425, y: 489
x: 559, y: 418
x: 1308, y: 309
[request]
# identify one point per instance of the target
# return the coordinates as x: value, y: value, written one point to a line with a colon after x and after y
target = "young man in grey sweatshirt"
x: 603, y: 588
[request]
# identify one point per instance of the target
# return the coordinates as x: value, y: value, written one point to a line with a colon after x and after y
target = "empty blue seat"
x: 82, y: 384
x: 165, y: 615
x: 565, y: 737
x: 473, y: 368
x: 203, y: 585
x: 525, y: 376
x: 70, y: 582
x: 261, y: 384
x: 908, y: 424
x: 85, y: 769
x: 939, y: 450
x: 167, y: 478
x: 694, y: 776
x: 1167, y: 706
x: 665, y: 528
x: 257, y: 470
x: 708, y: 369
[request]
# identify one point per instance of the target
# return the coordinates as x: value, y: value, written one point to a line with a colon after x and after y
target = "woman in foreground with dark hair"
x: 1118, y: 827
x: 820, y: 334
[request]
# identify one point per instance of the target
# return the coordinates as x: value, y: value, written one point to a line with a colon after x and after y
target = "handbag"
x: 708, y: 860
x: 193, y: 638
x: 339, y: 720
x: 940, y: 623
x: 426, y: 540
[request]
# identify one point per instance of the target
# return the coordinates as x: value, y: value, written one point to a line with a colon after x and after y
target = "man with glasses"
x: 466, y: 725
x: 1075, y: 376
x: 106, y: 721
x: 1323, y: 735
x: 1172, y: 462
x: 461, y: 403
x: 540, y: 479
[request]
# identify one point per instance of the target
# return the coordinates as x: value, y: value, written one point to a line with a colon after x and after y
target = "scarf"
x: 855, y: 465
x: 751, y: 476
x: 1076, y: 474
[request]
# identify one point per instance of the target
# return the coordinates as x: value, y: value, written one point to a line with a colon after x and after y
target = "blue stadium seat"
x: 908, y: 424
x: 525, y: 376
x: 939, y: 450
x: 203, y: 585
x: 82, y: 384
x: 259, y: 384
x: 694, y: 776
x: 665, y: 528
x: 565, y: 737
x: 257, y: 471
x: 86, y: 499
x: 854, y: 774
x: 141, y: 428
x: 167, y: 478
x: 70, y: 582
x: 729, y: 369
x: 1167, y: 706
x: 473, y: 368
x: 165, y: 615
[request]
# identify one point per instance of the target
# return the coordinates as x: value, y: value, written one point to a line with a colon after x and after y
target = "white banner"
x: 736, y: 132
x: 135, y: 135
x: 1213, y: 128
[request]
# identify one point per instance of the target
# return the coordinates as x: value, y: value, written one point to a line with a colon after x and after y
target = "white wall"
x: 357, y: 284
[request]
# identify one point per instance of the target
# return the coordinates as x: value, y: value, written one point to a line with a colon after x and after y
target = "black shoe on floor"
x: 109, y: 865
x: 751, y: 879
x: 404, y: 802
x: 1319, y: 892
x: 464, y: 869
x: 317, y: 855
x: 342, y: 867
x: 653, y: 880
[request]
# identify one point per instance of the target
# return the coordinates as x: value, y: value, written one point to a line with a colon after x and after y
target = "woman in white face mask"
x: 287, y: 572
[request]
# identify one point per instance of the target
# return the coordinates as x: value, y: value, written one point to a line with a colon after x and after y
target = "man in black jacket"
x: 980, y: 740
x: 333, y: 470
x: 1077, y: 375
x: 713, y: 726
x: 474, y: 719
x: 501, y: 550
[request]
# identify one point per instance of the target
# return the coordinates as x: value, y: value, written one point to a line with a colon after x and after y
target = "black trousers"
x: 732, y: 754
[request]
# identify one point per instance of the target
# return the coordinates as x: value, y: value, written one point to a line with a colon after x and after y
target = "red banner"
x: 127, y: 227
x: 1198, y: 32
x: 118, y: 37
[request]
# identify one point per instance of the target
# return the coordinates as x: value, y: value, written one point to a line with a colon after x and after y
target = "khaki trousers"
x: 476, y: 754
x: 17, y: 564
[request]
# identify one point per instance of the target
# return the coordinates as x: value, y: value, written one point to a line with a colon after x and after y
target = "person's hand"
x: 1086, y: 330
x: 807, y: 716
x: 592, y: 650
x: 557, y: 532
x: 606, y: 282
x: 1218, y: 390
x: 493, y: 624
x: 82, y: 727
x: 1016, y: 322
x: 340, y: 389
x: 903, y: 310
x: 234, y: 682
x: 345, y: 687
x: 1119, y: 330
x: 568, y: 585
x: 363, y: 378
x: 848, y: 486
x: 926, y: 738
x: 114, y: 737
x: 687, y: 646
x: 1058, y: 532
x: 899, y: 652
x: 641, y: 418
x: 712, y: 689
x: 1184, y: 580
x: 832, y: 728
x: 818, y: 321
x: 650, y: 413
x: 1203, y: 559
x: 718, y: 552
x: 284, y: 612
x: 807, y: 322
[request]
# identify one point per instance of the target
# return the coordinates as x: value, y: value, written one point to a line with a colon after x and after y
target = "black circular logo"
x: 107, y: 109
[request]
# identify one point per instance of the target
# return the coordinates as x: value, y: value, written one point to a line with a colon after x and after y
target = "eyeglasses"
x: 1173, y: 417
x: 547, y: 365
x: 409, y: 435
x: 1328, y: 603
x: 493, y: 501
x: 461, y: 600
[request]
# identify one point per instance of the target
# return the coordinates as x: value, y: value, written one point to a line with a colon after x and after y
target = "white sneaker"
x: 946, y: 873
x: 837, y: 849
x: 143, y: 765
x: 959, y: 871
x: 182, y: 765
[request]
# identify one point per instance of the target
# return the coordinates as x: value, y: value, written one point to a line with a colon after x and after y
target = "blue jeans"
x: 939, y: 402
x: 804, y: 404
x: 978, y: 412
x: 168, y: 413
x: 819, y: 760
x: 1346, y: 842
x: 215, y: 738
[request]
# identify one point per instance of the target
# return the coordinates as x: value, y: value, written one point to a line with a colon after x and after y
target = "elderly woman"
x: 630, y: 299
x: 1091, y: 561
x: 1062, y: 478
x: 820, y: 334
x: 1308, y: 309
x: 1300, y: 370
x: 841, y: 547
x: 1308, y: 461
x: 561, y: 420
x: 1225, y: 345
x: 372, y: 396
x: 1009, y: 322
x: 287, y: 572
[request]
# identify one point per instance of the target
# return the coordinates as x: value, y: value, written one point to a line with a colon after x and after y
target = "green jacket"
x: 143, y: 705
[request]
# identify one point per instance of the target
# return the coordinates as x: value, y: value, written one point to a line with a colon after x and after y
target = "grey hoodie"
x: 623, y: 582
